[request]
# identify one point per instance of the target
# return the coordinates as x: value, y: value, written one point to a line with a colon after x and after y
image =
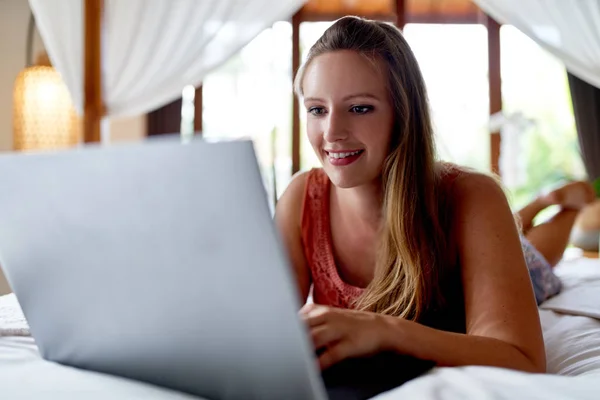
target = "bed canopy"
x: 127, y: 57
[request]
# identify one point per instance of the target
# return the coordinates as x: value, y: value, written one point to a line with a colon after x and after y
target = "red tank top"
x: 328, y: 287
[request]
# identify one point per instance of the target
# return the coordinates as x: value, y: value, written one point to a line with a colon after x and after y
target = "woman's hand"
x: 338, y: 334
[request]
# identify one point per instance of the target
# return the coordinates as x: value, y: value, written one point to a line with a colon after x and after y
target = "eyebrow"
x: 346, y: 98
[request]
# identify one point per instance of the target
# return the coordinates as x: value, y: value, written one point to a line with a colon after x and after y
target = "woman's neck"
x: 361, y: 204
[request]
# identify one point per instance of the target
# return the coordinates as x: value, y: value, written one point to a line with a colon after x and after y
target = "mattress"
x: 24, y: 375
x: 572, y: 339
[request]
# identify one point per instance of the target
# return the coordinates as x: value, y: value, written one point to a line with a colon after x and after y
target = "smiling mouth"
x: 342, y: 155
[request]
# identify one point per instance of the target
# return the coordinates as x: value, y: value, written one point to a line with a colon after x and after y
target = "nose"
x: 335, y: 128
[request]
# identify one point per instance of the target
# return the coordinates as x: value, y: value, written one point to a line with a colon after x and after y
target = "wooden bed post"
x: 400, y: 13
x: 93, y: 107
x: 296, y: 20
x: 495, y: 82
x: 198, y: 111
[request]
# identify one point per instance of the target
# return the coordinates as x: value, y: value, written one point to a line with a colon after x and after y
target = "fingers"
x: 325, y: 335
x: 315, y: 315
x: 312, y: 308
x: 335, y: 353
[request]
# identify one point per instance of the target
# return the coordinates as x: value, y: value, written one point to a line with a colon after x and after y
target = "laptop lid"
x: 157, y: 262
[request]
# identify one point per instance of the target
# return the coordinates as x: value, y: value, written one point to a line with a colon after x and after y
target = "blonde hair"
x: 413, y: 247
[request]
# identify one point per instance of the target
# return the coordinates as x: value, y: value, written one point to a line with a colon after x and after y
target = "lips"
x: 343, y: 154
x: 343, y: 158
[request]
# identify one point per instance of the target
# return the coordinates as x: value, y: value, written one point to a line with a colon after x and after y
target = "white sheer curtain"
x: 570, y: 29
x: 153, y: 48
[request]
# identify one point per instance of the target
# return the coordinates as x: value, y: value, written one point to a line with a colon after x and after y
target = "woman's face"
x: 350, y: 116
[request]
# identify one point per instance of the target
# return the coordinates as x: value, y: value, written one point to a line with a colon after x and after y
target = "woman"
x: 404, y: 254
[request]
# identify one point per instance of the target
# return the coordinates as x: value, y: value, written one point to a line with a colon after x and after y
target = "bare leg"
x: 527, y: 214
x: 552, y: 237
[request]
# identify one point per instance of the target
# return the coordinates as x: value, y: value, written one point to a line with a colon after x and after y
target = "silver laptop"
x: 157, y: 262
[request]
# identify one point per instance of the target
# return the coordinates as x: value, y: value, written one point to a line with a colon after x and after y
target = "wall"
x: 14, y: 18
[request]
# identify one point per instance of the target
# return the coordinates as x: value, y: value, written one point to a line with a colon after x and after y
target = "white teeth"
x: 343, y: 155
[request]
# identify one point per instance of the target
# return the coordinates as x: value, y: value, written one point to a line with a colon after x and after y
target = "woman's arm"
x: 454, y: 349
x: 502, y: 320
x: 287, y: 218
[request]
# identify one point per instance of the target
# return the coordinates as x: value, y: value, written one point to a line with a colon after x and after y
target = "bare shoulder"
x: 479, y: 200
x: 288, y: 218
x: 475, y: 187
x: 289, y: 206
x: 297, y: 184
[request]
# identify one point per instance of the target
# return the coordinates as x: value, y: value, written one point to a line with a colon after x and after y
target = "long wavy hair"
x: 412, y: 247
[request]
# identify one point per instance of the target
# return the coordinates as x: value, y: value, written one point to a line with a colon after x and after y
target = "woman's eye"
x: 316, y: 111
x: 361, y: 109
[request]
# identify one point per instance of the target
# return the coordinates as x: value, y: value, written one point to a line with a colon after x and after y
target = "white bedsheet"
x: 572, y: 347
x: 24, y: 375
x: 480, y: 383
x: 572, y: 339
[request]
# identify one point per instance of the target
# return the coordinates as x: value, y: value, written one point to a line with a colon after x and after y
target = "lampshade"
x: 43, y: 117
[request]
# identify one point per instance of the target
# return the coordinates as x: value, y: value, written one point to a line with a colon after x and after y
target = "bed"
x: 570, y: 321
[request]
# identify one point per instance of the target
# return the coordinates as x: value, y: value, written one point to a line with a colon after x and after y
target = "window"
x: 250, y: 96
x: 453, y: 59
x: 454, y: 63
